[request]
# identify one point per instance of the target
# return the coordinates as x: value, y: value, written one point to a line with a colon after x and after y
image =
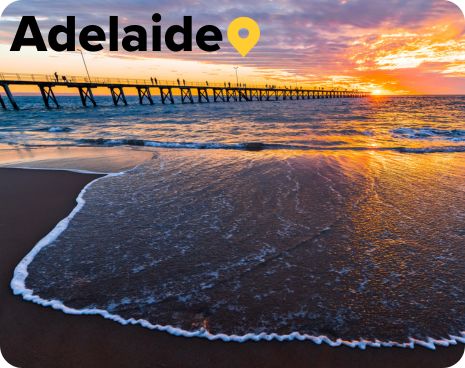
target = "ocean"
x: 410, y: 124
x: 336, y: 221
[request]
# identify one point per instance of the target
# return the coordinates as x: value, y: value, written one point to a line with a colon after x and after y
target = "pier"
x: 189, y: 92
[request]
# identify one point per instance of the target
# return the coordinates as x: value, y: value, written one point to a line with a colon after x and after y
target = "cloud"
x: 302, y: 39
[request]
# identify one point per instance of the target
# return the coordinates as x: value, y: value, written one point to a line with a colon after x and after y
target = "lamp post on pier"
x: 237, y: 76
x: 85, y: 65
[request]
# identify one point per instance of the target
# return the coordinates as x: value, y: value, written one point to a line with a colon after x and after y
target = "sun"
x: 377, y: 92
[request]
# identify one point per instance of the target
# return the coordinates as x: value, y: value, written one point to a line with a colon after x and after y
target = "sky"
x: 383, y: 46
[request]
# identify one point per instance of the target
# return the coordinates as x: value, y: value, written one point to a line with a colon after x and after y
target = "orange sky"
x: 398, y: 53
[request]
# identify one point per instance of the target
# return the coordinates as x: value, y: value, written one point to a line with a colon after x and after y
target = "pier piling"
x: 2, y: 103
x: 186, y: 95
x: 254, y: 93
x: 166, y: 94
x: 218, y: 94
x: 117, y: 94
x: 231, y: 95
x: 86, y: 95
x: 10, y: 96
x: 243, y: 95
x: 144, y: 93
x: 47, y: 95
x: 203, y: 95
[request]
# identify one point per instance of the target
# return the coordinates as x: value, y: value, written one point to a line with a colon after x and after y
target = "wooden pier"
x: 189, y: 93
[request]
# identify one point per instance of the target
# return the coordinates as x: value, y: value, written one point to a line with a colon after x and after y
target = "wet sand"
x: 87, y: 159
x: 32, y: 202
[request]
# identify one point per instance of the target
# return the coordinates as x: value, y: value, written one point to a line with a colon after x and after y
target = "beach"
x: 330, y: 234
x: 32, y: 336
x: 33, y: 202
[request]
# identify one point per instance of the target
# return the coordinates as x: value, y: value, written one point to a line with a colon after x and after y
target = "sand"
x: 31, y: 203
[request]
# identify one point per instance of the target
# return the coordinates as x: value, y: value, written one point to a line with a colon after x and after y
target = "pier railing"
x: 22, y: 78
x: 224, y: 92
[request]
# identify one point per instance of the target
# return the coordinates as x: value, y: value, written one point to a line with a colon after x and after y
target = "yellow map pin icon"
x: 244, y: 44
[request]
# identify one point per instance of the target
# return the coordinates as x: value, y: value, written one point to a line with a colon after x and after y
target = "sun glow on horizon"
x: 386, y: 57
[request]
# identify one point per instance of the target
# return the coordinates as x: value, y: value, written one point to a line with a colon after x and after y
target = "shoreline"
x: 18, y: 286
x: 50, y: 337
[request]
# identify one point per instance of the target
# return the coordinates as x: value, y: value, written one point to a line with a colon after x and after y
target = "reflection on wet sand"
x: 348, y: 245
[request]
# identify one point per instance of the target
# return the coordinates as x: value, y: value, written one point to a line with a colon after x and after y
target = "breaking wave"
x: 259, y: 146
x: 454, y: 135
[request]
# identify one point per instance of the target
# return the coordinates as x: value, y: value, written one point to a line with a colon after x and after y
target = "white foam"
x: 18, y: 285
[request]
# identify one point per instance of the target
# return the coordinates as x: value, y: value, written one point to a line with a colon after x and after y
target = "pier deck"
x: 189, y: 92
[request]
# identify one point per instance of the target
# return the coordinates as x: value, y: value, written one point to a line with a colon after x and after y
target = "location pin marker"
x: 243, y: 44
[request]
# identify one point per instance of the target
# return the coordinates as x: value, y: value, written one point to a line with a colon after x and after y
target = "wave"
x: 259, y: 146
x: 247, y: 146
x: 18, y: 285
x: 56, y: 129
x: 450, y: 149
x: 456, y: 135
